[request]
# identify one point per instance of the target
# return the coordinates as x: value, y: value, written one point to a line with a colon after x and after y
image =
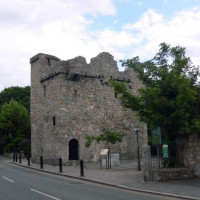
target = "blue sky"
x: 131, y: 10
x: 69, y: 28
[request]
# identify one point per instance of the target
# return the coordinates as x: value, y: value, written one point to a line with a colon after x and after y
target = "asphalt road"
x: 18, y: 183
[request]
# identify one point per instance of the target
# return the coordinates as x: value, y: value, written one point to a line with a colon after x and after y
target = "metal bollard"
x: 100, y: 162
x: 41, y: 162
x: 28, y: 158
x: 60, y: 165
x: 20, y: 158
x: 81, y: 168
x: 16, y: 157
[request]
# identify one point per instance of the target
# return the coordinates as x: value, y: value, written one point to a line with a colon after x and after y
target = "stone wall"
x: 169, y: 174
x: 188, y: 150
x: 71, y: 99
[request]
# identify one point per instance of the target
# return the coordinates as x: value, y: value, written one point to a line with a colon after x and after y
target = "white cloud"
x: 61, y: 28
x: 183, y: 29
x: 57, y: 27
x: 37, y: 11
x: 143, y: 37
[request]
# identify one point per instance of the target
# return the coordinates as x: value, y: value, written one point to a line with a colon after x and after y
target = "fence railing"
x: 158, y: 162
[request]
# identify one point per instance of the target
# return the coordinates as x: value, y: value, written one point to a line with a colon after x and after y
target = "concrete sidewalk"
x: 126, y: 175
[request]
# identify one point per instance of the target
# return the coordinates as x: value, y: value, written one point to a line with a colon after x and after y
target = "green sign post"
x: 165, y: 151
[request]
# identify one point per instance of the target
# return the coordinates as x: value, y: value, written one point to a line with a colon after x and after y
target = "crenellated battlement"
x: 103, y: 66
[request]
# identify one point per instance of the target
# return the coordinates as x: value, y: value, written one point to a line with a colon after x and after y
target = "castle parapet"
x: 48, y: 57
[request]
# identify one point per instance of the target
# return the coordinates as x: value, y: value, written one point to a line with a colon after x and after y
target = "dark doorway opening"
x: 73, y: 149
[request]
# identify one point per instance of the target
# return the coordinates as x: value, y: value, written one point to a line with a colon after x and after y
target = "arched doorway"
x: 73, y: 149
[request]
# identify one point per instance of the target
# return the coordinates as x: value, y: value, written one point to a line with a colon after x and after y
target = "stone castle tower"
x: 71, y: 99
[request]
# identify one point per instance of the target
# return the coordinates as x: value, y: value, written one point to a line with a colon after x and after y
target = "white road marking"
x: 8, y: 179
x: 44, y: 194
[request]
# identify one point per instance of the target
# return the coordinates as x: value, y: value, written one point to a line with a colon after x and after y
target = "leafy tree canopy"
x: 170, y: 98
x: 15, y: 127
x: 19, y: 94
x: 108, y: 137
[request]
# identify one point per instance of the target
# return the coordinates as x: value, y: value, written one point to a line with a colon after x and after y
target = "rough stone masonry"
x: 71, y: 99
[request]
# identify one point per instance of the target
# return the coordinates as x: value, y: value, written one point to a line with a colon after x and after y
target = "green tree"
x: 170, y: 98
x: 19, y: 94
x: 108, y: 137
x: 15, y: 127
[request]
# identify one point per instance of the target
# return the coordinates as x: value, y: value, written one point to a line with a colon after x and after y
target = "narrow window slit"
x: 54, y: 120
x: 44, y: 90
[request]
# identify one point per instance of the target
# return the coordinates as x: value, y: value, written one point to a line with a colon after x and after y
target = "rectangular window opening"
x: 54, y: 121
x: 48, y: 61
x: 44, y: 90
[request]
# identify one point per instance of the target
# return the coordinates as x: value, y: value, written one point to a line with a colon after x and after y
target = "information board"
x: 165, y: 151
x: 104, y: 152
